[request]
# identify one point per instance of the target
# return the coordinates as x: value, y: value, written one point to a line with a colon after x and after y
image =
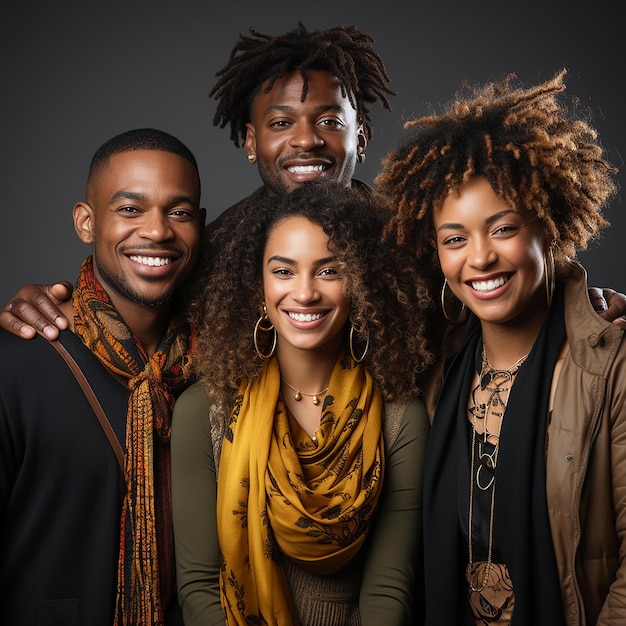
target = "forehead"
x: 153, y: 171
x: 297, y: 232
x: 323, y: 89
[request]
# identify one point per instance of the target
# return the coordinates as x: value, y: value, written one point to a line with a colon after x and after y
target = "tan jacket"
x: 586, y: 463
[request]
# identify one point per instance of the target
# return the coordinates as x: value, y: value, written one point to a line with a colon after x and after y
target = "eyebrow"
x: 282, y: 259
x: 140, y: 197
x: 490, y: 220
x: 322, y: 108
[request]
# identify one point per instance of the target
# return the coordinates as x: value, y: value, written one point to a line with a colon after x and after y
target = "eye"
x: 329, y: 272
x: 131, y: 210
x: 506, y: 229
x: 331, y: 123
x: 282, y: 272
x: 279, y: 124
x: 183, y: 214
x: 453, y: 241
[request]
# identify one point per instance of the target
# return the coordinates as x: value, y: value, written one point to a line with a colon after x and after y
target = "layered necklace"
x: 496, y: 384
x: 298, y: 395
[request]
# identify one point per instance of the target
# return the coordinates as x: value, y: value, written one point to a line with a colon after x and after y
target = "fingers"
x: 33, y: 310
x: 597, y: 299
x: 59, y: 292
x: 24, y: 320
x: 613, y: 313
x: 9, y: 322
x: 610, y: 305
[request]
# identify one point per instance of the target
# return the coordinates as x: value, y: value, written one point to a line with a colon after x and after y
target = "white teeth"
x: 151, y: 260
x: 488, y: 285
x: 305, y: 169
x: 305, y: 317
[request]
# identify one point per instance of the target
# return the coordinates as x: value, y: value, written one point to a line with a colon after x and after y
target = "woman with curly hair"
x: 296, y: 458
x: 525, y: 516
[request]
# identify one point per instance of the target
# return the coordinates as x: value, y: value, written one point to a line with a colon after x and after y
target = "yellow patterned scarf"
x: 315, y: 507
x: 145, y: 564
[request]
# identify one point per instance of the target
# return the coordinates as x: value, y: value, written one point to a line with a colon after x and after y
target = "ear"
x: 361, y: 140
x: 83, y: 222
x: 250, y: 142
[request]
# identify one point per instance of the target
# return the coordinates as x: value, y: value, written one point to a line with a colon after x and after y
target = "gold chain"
x: 487, y: 376
x: 298, y: 395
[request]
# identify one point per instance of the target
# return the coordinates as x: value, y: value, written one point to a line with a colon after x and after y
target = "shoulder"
x: 197, y: 424
x: 190, y: 417
x: 193, y: 401
x: 19, y: 354
x: 232, y: 211
x: 407, y: 419
x: 593, y: 341
x: 362, y: 186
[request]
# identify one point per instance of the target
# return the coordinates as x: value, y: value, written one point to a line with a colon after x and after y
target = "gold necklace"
x: 489, y: 379
x: 298, y: 395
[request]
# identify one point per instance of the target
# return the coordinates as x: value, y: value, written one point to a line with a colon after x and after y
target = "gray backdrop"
x: 76, y: 73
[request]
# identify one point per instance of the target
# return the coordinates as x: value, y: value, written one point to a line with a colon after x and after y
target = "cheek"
x: 269, y: 145
x: 343, y: 305
x: 447, y: 261
x: 532, y: 258
x: 267, y: 291
x: 273, y: 293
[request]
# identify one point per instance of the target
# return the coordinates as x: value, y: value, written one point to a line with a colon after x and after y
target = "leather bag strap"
x: 93, y: 401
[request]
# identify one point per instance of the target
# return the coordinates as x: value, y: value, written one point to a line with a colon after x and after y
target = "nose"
x: 155, y: 226
x: 480, y: 254
x: 306, y: 136
x: 304, y: 290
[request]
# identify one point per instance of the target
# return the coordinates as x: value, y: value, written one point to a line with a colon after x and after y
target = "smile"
x: 305, y: 169
x: 305, y: 317
x: 488, y: 285
x: 152, y: 261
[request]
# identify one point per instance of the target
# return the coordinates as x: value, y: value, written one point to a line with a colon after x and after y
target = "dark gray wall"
x: 76, y: 73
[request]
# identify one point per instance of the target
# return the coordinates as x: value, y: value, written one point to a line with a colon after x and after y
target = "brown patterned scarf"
x: 145, y: 566
x: 313, y: 507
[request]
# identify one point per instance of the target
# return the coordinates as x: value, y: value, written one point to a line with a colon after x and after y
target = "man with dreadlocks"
x: 298, y: 103
x: 524, y: 508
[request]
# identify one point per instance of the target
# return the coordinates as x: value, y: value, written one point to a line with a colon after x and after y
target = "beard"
x: 119, y: 284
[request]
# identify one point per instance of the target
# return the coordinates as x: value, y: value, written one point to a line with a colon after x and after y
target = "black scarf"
x: 521, y: 524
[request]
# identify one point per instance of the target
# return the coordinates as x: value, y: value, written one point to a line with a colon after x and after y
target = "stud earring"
x: 252, y: 158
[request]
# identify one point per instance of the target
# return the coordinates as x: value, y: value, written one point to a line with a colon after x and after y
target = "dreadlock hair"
x: 535, y: 157
x: 389, y: 301
x: 344, y: 51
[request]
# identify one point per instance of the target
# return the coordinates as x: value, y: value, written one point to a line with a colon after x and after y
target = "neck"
x: 505, y: 344
x: 146, y: 323
x: 308, y: 371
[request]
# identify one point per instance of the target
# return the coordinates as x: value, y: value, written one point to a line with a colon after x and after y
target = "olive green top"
x: 378, y: 587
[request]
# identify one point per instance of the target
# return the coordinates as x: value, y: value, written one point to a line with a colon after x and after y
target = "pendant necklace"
x: 298, y: 395
x: 491, y: 380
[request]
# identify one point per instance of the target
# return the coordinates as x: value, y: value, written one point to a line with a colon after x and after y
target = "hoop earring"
x: 550, y: 275
x: 351, y: 343
x: 266, y: 329
x: 443, y: 304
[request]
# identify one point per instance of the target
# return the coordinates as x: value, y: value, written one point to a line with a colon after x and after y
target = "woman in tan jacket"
x: 528, y: 445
